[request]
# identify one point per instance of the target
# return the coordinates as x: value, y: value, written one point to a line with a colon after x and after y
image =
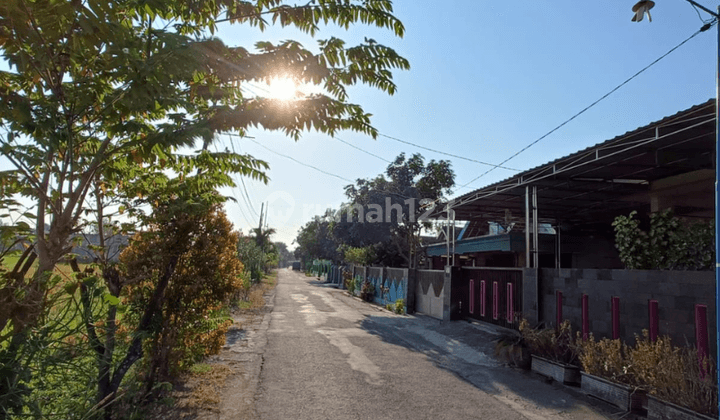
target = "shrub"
x: 349, y: 282
x: 674, y: 374
x: 400, y: 306
x: 390, y: 307
x: 670, y: 244
x: 511, y: 348
x: 192, y: 321
x: 605, y: 358
x: 358, y: 256
x: 367, y: 292
x: 557, y: 345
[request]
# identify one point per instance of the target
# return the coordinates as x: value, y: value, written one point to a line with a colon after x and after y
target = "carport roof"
x: 602, y: 181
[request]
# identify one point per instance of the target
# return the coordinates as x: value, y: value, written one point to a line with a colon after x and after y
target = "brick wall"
x: 677, y: 292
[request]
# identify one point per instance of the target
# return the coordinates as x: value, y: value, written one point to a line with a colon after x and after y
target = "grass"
x: 61, y: 269
x: 256, y: 296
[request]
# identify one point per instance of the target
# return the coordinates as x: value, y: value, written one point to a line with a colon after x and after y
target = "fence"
x: 621, y: 303
x: 608, y: 303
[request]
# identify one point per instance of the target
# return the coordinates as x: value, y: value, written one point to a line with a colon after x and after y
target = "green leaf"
x: 111, y: 300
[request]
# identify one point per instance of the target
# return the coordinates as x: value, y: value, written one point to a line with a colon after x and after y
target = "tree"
x: 103, y: 99
x: 389, y: 208
x: 284, y: 255
x: 315, y: 240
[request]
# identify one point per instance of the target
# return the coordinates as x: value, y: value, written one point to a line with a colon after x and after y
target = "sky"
x: 486, y: 80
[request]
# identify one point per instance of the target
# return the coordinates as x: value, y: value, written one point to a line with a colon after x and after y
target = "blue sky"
x: 487, y: 79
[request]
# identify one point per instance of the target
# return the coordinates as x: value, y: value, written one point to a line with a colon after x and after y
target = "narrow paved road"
x: 332, y: 356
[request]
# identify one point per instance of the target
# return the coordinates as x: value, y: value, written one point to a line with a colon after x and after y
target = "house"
x: 560, y: 214
x: 541, y: 242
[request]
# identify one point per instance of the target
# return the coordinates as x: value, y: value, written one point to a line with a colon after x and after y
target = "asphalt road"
x: 327, y: 355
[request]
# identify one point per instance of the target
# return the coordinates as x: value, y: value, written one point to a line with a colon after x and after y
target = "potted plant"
x: 607, y: 373
x: 510, y: 348
x: 679, y: 385
x: 553, y: 351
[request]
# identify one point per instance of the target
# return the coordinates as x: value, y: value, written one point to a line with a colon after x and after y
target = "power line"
x: 448, y: 154
x: 362, y: 150
x: 703, y: 29
x: 232, y: 190
x: 298, y: 162
x: 246, y: 196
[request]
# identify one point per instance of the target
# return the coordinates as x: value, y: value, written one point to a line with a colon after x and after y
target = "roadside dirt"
x: 227, y: 389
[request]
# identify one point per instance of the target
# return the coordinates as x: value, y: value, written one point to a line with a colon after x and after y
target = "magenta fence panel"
x: 483, y: 297
x: 653, y: 318
x: 509, y: 305
x: 701, y: 336
x: 496, y: 301
x: 615, y: 311
x: 471, y: 307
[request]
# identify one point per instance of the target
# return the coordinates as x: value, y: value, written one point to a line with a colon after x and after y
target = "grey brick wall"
x: 677, y: 292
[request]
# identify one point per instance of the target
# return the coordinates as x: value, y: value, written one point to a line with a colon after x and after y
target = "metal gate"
x: 493, y: 294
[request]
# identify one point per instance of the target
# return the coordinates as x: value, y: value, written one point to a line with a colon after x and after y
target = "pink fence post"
x: 653, y: 318
x: 585, y: 318
x: 496, y: 301
x: 615, y: 310
x: 558, y: 308
x: 471, y: 309
x: 701, y: 337
x: 509, y: 303
x: 483, y: 298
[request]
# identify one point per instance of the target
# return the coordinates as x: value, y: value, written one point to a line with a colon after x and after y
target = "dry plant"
x: 605, y: 358
x: 207, y: 386
x: 553, y: 344
x: 674, y: 373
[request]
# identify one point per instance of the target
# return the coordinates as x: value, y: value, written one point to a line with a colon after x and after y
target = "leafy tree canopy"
x: 389, y: 208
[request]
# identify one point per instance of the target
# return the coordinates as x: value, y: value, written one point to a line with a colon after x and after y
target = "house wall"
x: 592, y: 252
x: 677, y: 293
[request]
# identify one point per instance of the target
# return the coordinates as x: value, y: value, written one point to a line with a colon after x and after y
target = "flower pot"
x: 565, y: 374
x: 663, y: 410
x: 622, y: 396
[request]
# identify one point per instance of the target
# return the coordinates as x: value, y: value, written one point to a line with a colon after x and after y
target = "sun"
x: 282, y: 88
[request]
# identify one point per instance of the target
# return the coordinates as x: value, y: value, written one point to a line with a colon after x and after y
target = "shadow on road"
x: 468, y: 352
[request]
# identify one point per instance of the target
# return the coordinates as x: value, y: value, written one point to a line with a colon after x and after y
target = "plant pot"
x: 622, y: 396
x: 663, y: 410
x: 565, y: 374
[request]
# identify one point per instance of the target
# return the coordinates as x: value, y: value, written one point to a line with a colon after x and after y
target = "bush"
x: 605, y: 358
x: 193, y: 319
x: 674, y: 374
x: 400, y: 306
x: 367, y: 292
x: 349, y: 282
x: 669, y: 372
x: 671, y: 243
x: 557, y: 345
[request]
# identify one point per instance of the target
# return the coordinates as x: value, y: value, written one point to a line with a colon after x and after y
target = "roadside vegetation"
x: 109, y: 115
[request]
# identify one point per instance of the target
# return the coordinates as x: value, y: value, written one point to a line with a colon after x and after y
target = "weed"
x: 400, y: 306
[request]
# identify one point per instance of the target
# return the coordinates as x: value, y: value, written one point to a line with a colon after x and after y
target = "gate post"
x: 530, y: 304
x: 411, y: 286
x: 453, y: 305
